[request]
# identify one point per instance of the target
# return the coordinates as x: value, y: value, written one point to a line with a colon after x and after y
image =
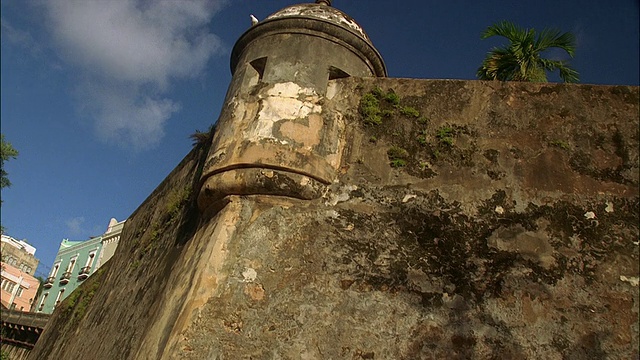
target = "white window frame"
x: 72, y: 263
x: 44, y: 298
x: 91, y: 258
x: 56, y: 268
x: 58, y: 300
x: 8, y: 285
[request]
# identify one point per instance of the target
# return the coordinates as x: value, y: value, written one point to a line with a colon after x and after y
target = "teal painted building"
x: 74, y: 263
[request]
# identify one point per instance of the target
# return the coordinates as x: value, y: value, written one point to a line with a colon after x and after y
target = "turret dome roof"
x: 321, y: 20
x: 321, y: 12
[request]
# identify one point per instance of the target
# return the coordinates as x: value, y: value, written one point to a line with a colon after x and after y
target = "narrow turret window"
x: 335, y: 73
x: 259, y: 65
x: 255, y: 72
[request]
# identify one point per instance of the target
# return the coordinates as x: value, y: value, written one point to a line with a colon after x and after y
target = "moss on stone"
x: 392, y: 97
x: 396, y: 152
x: 562, y: 144
x: 176, y: 200
x: 77, y: 302
x: 409, y: 111
x: 445, y: 135
x: 397, y: 156
x: 370, y: 109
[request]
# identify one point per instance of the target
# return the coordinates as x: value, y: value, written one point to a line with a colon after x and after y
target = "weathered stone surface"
x: 274, y: 117
x: 508, y: 230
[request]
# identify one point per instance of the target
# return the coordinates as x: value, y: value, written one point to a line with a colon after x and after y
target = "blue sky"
x: 100, y: 96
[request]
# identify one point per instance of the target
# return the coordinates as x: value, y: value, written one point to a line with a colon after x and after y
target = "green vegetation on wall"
x: 378, y: 104
x: 147, y: 242
x: 76, y: 304
x: 409, y: 111
x: 417, y: 142
x: 561, y: 144
x: 398, y: 156
x: 200, y: 138
x: 445, y: 135
x: 370, y: 109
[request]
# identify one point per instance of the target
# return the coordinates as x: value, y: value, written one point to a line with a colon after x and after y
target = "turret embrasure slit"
x: 335, y: 73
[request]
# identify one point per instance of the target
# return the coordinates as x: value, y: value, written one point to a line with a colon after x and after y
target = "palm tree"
x: 521, y: 60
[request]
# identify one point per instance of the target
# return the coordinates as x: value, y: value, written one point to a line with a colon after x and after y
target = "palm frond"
x: 536, y: 73
x: 499, y: 64
x: 568, y: 74
x: 521, y: 59
x: 505, y: 29
x: 550, y: 38
x: 550, y: 65
x: 546, y: 37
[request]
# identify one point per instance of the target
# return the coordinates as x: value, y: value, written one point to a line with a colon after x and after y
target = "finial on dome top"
x: 323, y: 2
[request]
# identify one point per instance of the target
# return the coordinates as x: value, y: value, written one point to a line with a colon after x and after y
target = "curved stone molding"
x: 252, y: 181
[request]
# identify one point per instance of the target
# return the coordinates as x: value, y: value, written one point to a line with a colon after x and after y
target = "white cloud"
x: 125, y: 114
x: 75, y: 225
x: 127, y: 53
x: 19, y: 37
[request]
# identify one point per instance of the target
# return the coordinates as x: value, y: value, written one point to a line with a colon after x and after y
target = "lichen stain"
x: 255, y: 291
x: 531, y: 245
x: 549, y: 172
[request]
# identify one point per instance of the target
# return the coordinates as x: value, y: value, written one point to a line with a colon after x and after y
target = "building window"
x: 19, y: 292
x: 59, y: 298
x: 92, y: 255
x: 55, y: 269
x: 8, y: 285
x: 72, y: 263
x: 44, y: 297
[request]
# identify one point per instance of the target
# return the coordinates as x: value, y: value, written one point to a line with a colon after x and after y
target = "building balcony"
x: 65, y: 277
x: 84, y: 273
x: 49, y: 282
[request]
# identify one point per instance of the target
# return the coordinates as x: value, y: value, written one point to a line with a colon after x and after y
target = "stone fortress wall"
x: 349, y: 216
